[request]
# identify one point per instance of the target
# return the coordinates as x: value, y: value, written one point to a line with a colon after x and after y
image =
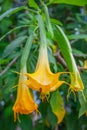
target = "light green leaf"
x: 33, y: 4
x: 57, y: 105
x: 13, y: 45
x: 11, y: 11
x: 71, y: 2
x: 26, y: 50
x: 79, y: 36
x: 55, y: 21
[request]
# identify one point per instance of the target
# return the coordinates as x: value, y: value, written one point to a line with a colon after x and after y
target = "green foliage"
x: 22, y: 30
x: 11, y: 47
x: 83, y: 103
x: 71, y: 2
x: 11, y: 11
x: 57, y: 105
x: 33, y: 4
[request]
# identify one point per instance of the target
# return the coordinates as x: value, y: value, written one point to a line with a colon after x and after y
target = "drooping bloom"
x: 76, y: 82
x: 24, y: 103
x: 43, y: 80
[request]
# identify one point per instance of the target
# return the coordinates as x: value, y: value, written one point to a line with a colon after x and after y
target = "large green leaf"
x: 33, y: 4
x: 71, y: 2
x: 13, y: 45
x: 57, y: 105
x: 65, y: 47
x: 11, y: 11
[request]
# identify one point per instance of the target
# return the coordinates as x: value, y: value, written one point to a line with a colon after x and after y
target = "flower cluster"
x: 43, y: 81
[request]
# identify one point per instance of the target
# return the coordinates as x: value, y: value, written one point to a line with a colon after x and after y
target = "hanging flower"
x: 76, y: 82
x: 43, y: 80
x: 24, y: 103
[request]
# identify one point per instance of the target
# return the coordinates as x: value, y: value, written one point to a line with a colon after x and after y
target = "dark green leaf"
x: 51, y: 118
x: 26, y: 123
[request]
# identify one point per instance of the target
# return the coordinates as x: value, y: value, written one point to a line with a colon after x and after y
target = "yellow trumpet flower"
x: 24, y: 103
x: 43, y: 80
x: 76, y: 82
x: 76, y: 85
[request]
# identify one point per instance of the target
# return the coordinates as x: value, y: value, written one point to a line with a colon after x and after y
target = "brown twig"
x: 60, y: 59
x: 81, y: 68
x: 8, y: 66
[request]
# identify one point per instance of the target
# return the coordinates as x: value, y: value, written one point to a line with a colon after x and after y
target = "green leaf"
x: 83, y: 108
x: 14, y: 29
x: 79, y: 36
x: 55, y: 21
x: 11, y: 11
x: 13, y: 45
x: 65, y: 47
x: 33, y: 4
x: 26, y: 50
x: 83, y: 103
x: 26, y: 123
x: 51, y: 118
x: 72, y: 120
x: 71, y: 2
x: 79, y: 53
x: 57, y: 105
